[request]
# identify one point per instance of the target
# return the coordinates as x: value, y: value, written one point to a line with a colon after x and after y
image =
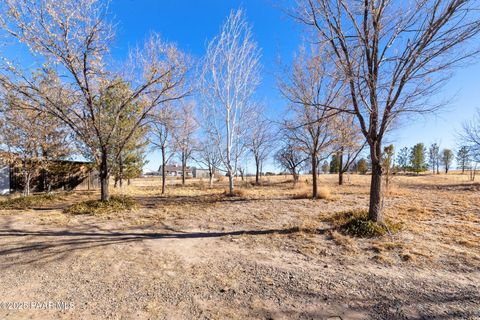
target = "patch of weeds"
x: 27, y: 202
x: 357, y: 224
x: 96, y: 207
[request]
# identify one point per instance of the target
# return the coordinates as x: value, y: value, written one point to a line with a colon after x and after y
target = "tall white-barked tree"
x: 229, y: 77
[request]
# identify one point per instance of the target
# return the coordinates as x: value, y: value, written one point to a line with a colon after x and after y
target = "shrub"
x: 236, y: 193
x: 305, y: 192
x: 94, y: 207
x: 324, y: 193
x: 357, y: 224
x: 27, y: 202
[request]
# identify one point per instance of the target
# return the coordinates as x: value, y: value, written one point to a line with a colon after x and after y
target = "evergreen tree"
x: 334, y: 164
x: 403, y: 158
x: 463, y: 158
x: 417, y: 158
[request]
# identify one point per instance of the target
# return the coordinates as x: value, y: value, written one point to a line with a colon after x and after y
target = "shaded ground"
x: 196, y: 254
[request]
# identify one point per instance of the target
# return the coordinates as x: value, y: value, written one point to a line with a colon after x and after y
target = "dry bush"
x: 304, y: 192
x: 357, y: 224
x: 324, y: 193
x: 28, y: 202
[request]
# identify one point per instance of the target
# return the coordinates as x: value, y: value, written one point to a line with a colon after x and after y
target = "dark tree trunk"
x: 340, y: 167
x: 104, y: 175
x: 210, y: 178
x: 295, y: 176
x: 184, y: 168
x: 163, y: 170
x: 314, y: 177
x: 257, y: 171
x: 375, y: 208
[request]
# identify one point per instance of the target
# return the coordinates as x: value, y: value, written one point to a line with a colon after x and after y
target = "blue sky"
x: 192, y: 23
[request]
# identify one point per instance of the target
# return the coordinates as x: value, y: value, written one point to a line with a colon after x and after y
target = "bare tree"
x: 392, y: 56
x: 471, y: 136
x: 207, y: 155
x: 229, y: 77
x: 162, y: 124
x: 73, y: 37
x: 184, y: 134
x: 291, y: 159
x: 260, y: 140
x: 311, y: 90
x: 349, y: 143
x: 434, y: 157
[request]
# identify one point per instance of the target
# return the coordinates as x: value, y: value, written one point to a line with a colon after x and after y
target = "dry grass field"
x: 267, y: 253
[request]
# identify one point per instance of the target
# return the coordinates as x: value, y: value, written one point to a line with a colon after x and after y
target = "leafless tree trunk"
x: 163, y: 125
x: 260, y: 139
x: 229, y: 77
x: 164, y: 172
x: 311, y: 91
x: 185, y: 129
x: 206, y: 154
x: 104, y: 176
x: 340, y: 166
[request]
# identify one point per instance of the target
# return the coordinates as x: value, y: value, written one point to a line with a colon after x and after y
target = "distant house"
x: 53, y: 175
x: 175, y: 170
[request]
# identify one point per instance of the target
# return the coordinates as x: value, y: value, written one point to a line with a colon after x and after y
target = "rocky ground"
x: 266, y: 254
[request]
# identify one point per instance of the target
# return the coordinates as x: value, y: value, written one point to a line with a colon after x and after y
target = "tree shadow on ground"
x: 26, y: 246
x: 151, y: 202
